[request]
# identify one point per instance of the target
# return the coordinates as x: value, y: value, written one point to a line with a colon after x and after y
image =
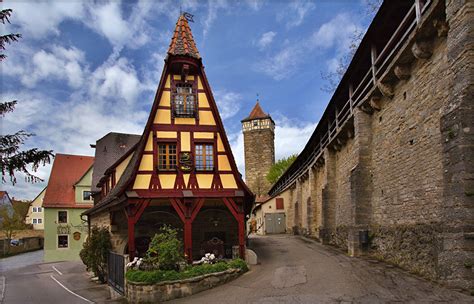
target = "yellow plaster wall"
x: 185, y: 141
x: 121, y: 167
x: 186, y: 179
x: 146, y: 163
x: 177, y: 77
x: 220, y: 145
x: 185, y: 121
x: 167, y: 180
x: 163, y: 116
x: 203, y: 102
x: 149, y: 142
x: 228, y: 181
x: 200, y: 87
x: 224, y: 164
x: 190, y: 77
x: 204, y: 135
x: 204, y: 180
x: 142, y: 181
x: 168, y: 83
x: 165, y: 99
x: 206, y: 118
x: 166, y: 134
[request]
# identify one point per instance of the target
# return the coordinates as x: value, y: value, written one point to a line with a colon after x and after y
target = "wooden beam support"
x: 402, y: 71
x: 422, y: 49
x: 385, y: 88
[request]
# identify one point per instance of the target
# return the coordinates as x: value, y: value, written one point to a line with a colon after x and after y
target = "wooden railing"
x: 379, y: 65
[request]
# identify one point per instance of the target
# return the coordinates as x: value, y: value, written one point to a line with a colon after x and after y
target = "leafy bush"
x: 277, y: 170
x: 95, y: 252
x: 157, y: 276
x: 165, y: 249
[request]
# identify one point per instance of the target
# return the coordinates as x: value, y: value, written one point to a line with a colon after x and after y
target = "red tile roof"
x: 67, y: 170
x: 182, y: 42
x: 257, y: 113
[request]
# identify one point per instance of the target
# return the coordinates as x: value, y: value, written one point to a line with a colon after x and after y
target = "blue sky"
x: 83, y: 69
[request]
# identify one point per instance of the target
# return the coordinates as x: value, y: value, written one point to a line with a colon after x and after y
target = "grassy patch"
x: 157, y: 276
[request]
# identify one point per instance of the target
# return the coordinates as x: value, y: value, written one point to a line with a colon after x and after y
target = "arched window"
x: 184, y: 101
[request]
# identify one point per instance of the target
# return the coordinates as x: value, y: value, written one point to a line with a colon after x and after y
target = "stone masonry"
x: 402, y: 168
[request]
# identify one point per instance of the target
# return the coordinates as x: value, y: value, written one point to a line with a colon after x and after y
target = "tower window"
x: 184, y: 101
x: 166, y: 156
x: 205, y: 157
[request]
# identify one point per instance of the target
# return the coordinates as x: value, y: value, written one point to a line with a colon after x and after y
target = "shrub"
x: 95, y: 252
x: 157, y: 276
x: 165, y: 249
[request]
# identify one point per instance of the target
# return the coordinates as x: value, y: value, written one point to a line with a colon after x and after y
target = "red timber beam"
x: 239, y: 216
x: 187, y: 212
x: 134, y: 211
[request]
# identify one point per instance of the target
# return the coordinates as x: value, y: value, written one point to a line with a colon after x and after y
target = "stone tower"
x: 259, y: 149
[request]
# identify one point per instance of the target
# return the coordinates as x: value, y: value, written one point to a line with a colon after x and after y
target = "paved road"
x: 294, y: 270
x: 63, y: 282
x: 21, y: 260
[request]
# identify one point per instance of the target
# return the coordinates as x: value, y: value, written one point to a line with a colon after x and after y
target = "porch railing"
x: 116, y: 271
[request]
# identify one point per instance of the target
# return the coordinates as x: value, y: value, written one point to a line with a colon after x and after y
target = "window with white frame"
x: 62, y: 217
x: 39, y: 209
x: 40, y: 221
x: 34, y: 209
x: 35, y: 221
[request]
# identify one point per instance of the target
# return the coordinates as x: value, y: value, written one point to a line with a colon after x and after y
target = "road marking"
x: 68, y: 290
x: 60, y: 273
x: 2, y: 288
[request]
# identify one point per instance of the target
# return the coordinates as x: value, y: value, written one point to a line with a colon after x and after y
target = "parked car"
x: 14, y: 242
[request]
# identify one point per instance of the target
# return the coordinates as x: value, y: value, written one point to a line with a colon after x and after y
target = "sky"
x: 83, y: 69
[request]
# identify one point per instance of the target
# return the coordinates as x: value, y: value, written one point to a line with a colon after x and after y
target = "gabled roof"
x: 182, y: 42
x: 66, y: 171
x: 257, y: 113
x: 108, y: 150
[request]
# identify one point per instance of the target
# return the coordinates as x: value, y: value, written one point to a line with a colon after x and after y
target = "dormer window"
x: 184, y: 101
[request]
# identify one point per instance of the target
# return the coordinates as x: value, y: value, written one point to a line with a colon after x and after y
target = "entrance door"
x: 275, y: 223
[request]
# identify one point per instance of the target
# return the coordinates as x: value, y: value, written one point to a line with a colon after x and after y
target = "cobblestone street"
x: 295, y: 270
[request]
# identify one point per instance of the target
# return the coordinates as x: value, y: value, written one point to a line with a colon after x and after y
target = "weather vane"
x: 188, y: 16
x: 258, y: 97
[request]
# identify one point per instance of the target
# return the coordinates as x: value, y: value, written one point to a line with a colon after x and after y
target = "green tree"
x: 95, y: 252
x: 277, y: 170
x: 166, y: 249
x: 10, y: 221
x: 13, y: 159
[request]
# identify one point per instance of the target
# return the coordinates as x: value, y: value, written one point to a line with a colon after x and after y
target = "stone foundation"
x: 165, y: 291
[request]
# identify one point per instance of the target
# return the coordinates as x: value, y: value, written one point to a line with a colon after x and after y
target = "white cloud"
x: 213, y: 8
x: 58, y: 63
x: 266, y: 39
x: 336, y: 33
x: 227, y: 102
x: 281, y: 65
x: 37, y: 18
x: 108, y: 21
x: 295, y: 12
x: 255, y: 5
x: 333, y: 36
x: 117, y: 80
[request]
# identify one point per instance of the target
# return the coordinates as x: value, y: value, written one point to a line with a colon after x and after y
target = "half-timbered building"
x: 181, y: 172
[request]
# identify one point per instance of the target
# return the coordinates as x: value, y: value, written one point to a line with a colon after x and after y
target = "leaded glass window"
x: 167, y: 156
x: 184, y: 101
x: 205, y: 157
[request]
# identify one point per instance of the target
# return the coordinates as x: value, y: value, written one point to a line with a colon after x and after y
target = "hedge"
x: 156, y: 276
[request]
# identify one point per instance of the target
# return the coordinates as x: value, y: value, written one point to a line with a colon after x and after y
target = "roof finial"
x: 258, y: 99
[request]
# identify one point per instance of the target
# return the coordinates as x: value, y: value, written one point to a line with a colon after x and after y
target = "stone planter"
x: 168, y: 290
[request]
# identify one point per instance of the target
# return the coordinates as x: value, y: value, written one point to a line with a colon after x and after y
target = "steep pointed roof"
x: 182, y: 42
x: 257, y: 113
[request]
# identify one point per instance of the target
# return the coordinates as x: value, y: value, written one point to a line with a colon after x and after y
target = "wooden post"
x: 131, y: 239
x: 373, y: 58
x: 134, y: 211
x: 351, y: 102
x: 239, y: 217
x: 418, y: 11
x: 188, y: 240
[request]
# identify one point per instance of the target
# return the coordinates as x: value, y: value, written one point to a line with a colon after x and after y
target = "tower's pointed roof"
x: 257, y: 113
x: 182, y: 42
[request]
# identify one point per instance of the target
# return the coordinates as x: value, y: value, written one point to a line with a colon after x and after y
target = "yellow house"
x: 35, y: 215
x: 181, y: 172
